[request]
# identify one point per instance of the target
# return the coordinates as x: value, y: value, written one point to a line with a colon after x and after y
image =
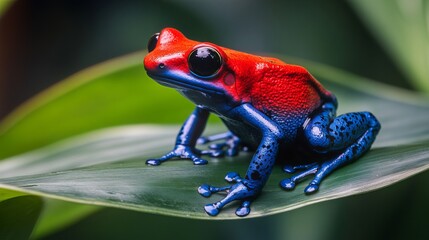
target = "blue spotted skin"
x: 349, y: 136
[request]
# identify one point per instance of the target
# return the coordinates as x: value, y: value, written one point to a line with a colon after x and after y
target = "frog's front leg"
x: 246, y: 189
x: 186, y: 139
x: 346, y: 138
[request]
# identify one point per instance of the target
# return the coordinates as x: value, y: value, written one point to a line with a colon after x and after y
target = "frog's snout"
x: 153, y: 65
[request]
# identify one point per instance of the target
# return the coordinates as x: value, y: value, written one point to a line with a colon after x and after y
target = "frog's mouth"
x: 181, y: 81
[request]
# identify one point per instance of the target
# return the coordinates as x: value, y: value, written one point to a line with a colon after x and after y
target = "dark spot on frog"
x: 255, y: 175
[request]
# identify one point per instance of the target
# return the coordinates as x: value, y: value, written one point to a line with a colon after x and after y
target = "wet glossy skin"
x: 267, y: 105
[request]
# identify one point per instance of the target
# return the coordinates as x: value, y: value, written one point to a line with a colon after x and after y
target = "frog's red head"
x: 175, y: 61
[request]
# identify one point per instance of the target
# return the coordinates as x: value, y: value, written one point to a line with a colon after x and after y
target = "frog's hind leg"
x: 349, y: 136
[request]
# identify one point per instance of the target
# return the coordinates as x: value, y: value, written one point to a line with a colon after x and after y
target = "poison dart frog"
x: 268, y: 106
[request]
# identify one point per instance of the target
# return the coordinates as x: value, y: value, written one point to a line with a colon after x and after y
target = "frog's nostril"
x: 161, y: 66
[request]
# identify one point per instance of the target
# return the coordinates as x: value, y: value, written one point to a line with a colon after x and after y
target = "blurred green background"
x: 44, y: 41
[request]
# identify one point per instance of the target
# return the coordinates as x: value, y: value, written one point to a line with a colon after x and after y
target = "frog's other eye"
x: 205, y: 62
x: 151, y: 44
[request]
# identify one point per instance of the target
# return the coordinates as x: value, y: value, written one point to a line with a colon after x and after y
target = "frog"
x: 270, y: 108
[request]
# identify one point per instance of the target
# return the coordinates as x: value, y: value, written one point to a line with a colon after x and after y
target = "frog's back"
x: 288, y: 94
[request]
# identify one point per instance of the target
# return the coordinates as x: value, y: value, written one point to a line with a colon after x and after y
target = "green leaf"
x: 402, y: 27
x: 58, y: 215
x: 107, y: 167
x: 6, y: 194
x: 18, y: 216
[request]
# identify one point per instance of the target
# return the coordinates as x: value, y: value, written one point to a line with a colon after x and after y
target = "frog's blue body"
x: 268, y: 106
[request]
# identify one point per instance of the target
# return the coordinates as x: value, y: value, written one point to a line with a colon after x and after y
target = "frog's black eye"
x: 204, y: 61
x: 152, y: 42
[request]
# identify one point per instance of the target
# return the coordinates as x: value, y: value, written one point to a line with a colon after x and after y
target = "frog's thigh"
x: 326, y: 133
x: 350, y: 135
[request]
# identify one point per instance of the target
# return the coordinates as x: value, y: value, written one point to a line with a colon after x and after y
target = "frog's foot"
x: 237, y: 191
x: 230, y: 147
x: 319, y: 170
x: 289, y: 183
x: 180, y: 151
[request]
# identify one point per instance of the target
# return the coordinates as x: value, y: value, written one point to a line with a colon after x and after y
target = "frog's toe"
x: 217, y: 154
x: 217, y: 146
x: 232, y: 177
x: 204, y: 190
x: 287, y: 184
x: 153, y: 162
x: 289, y: 169
x: 212, y: 209
x: 244, y: 209
x: 293, y: 168
x: 213, y: 153
x: 203, y: 140
x: 311, y: 188
x: 199, y: 161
